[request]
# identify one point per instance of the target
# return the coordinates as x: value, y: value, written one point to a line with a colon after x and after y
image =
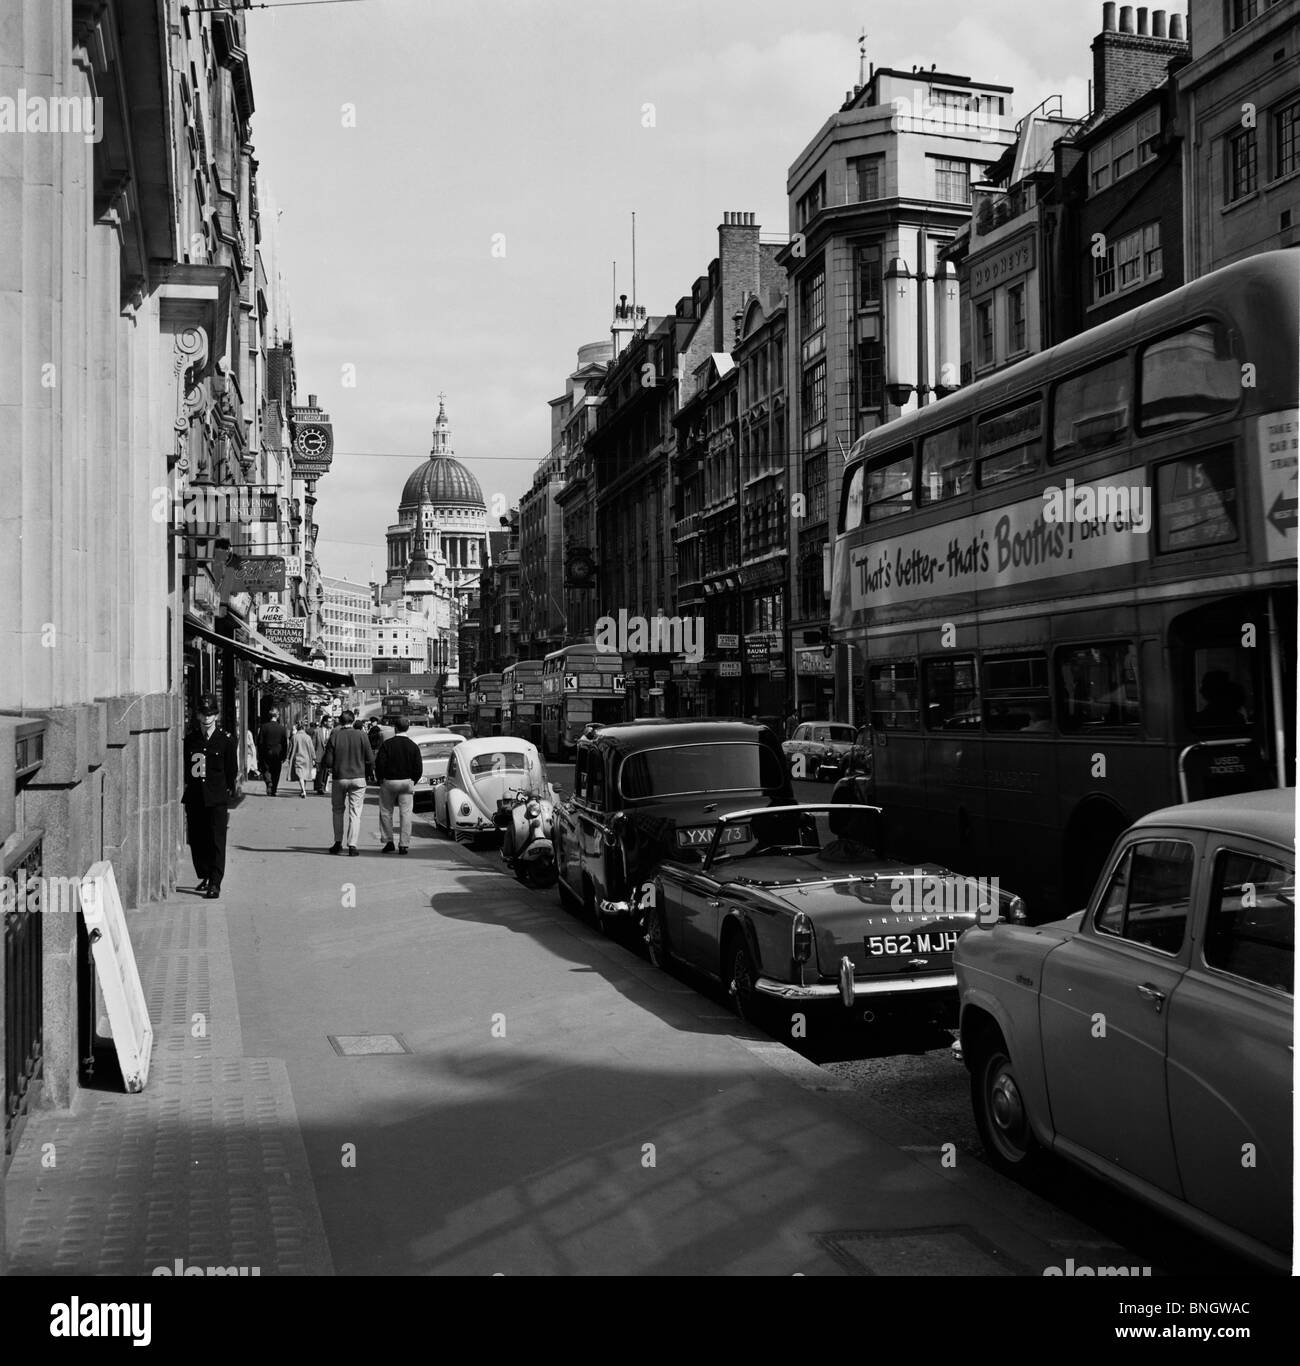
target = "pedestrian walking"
x: 250, y: 755
x: 398, y: 767
x: 350, y: 762
x: 375, y: 736
x: 272, y: 742
x: 321, y: 735
x: 791, y: 724
x: 212, y: 782
x: 302, y: 757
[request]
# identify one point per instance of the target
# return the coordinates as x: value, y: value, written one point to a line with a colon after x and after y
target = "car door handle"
x: 1153, y: 993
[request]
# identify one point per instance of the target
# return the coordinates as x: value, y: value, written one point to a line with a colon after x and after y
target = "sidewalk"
x: 521, y: 1096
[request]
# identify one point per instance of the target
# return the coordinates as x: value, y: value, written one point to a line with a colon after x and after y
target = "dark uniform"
x: 211, y: 776
x: 272, y: 743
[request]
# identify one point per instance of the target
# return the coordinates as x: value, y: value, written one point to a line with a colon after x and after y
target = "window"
x: 984, y: 333
x: 1219, y: 688
x: 1152, y: 255
x: 811, y: 204
x: 812, y: 302
x: 866, y: 177
x: 1186, y: 377
x: 946, y: 464
x: 952, y: 701
x: 1016, y: 696
x: 1090, y: 410
x: 1015, y: 319
x: 700, y: 768
x: 889, y: 488
x: 1239, y: 178
x: 868, y: 265
x: 893, y: 696
x: 851, y: 518
x: 1285, y: 158
x: 814, y: 395
x: 1250, y: 931
x: 1148, y: 135
x: 951, y: 180
x: 1097, y: 685
x: 814, y: 485
x: 1010, y: 443
x: 1241, y: 12
x: 1133, y: 260
x: 1124, y: 151
x: 1147, y: 900
x: 871, y: 375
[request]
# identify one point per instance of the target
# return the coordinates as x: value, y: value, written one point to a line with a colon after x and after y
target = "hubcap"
x: 1007, y: 1108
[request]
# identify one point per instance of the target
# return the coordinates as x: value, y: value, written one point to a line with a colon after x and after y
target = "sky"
x: 453, y: 182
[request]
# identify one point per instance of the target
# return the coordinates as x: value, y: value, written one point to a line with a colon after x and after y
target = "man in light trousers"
x: 349, y: 762
x: 398, y: 767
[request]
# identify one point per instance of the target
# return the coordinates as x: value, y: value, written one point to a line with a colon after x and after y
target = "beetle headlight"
x: 465, y: 808
x: 533, y: 809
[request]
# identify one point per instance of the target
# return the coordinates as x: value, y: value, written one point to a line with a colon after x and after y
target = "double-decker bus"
x: 485, y: 704
x: 455, y: 707
x: 521, y: 700
x: 580, y: 684
x: 1073, y: 586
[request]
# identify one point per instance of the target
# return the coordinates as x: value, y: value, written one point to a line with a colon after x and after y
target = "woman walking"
x: 302, y: 757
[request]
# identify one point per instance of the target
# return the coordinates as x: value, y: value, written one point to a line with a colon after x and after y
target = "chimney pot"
x: 1142, y: 21
x: 1126, y: 19
x: 1158, y: 24
x: 1176, y: 27
x: 1108, y: 16
x: 311, y: 400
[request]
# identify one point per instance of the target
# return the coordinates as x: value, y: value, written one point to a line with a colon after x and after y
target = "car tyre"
x: 656, y: 934
x: 739, y: 976
x: 1000, y: 1114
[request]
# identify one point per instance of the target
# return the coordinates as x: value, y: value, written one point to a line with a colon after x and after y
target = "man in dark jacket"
x: 398, y: 767
x: 272, y: 742
x: 211, y: 782
x: 375, y: 736
x: 348, y: 760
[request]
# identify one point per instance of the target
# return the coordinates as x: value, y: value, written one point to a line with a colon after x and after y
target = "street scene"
x: 650, y: 644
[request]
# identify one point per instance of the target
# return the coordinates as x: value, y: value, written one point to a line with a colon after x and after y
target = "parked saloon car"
x: 644, y: 789
x: 1147, y: 1038
x: 436, y: 746
x: 479, y: 773
x: 819, y: 749
x: 794, y: 905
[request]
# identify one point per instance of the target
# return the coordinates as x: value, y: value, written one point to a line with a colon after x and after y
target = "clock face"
x: 313, y: 441
x: 580, y: 569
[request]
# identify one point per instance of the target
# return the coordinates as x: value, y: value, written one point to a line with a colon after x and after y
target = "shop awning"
x: 258, y: 650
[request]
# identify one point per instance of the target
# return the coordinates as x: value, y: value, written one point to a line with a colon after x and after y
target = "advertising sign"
x: 288, y: 635
x: 726, y: 642
x: 272, y: 611
x: 119, y: 981
x: 257, y: 574
x: 729, y: 668
x: 1002, y: 547
x: 813, y: 662
x: 1279, y: 451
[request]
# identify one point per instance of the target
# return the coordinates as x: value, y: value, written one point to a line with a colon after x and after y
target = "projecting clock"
x: 581, y: 568
x: 313, y: 441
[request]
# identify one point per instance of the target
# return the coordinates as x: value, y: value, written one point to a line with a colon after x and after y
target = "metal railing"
x: 23, y: 983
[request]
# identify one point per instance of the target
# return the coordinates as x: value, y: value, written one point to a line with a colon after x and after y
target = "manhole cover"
x: 945, y: 1250
x: 366, y: 1045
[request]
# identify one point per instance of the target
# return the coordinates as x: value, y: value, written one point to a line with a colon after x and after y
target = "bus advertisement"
x: 485, y: 704
x: 581, y: 684
x: 521, y: 700
x: 1072, y: 586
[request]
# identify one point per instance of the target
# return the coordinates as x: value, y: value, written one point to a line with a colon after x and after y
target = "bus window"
x: 1010, y: 443
x: 1219, y: 689
x: 1090, y: 410
x: 952, y: 700
x: 946, y: 464
x: 889, y: 487
x: 1016, y: 696
x: 1097, y: 686
x: 851, y: 518
x: 893, y: 697
x: 1186, y: 377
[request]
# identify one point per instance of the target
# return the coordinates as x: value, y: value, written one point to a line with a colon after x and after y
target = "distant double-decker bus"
x: 485, y: 704
x: 580, y: 684
x: 1073, y: 586
x: 521, y: 700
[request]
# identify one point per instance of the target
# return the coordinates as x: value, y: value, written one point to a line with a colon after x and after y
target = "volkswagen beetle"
x: 479, y: 774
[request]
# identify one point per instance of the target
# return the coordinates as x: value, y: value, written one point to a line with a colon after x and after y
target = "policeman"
x: 211, y: 778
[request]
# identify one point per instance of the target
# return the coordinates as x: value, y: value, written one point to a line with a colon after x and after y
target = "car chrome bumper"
x: 615, y: 907
x: 862, y: 987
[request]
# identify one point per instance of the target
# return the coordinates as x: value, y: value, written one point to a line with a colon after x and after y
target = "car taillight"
x: 533, y: 810
x: 801, y: 939
x: 1017, y: 912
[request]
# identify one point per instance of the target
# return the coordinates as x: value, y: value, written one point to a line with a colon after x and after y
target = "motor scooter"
x: 525, y: 821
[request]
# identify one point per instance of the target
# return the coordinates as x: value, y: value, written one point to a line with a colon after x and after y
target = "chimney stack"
x: 1132, y: 59
x: 311, y: 400
x: 738, y: 271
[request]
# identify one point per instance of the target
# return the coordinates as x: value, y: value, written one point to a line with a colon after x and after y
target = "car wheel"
x: 739, y: 976
x: 656, y: 933
x: 1000, y: 1114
